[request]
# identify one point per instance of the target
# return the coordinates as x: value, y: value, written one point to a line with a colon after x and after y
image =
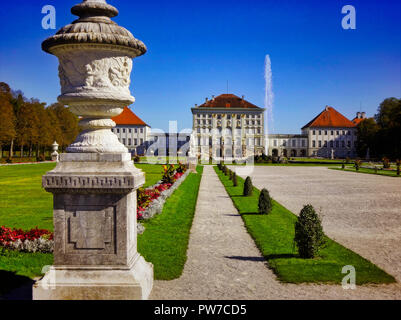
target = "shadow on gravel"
x: 256, y: 259
x: 15, y: 287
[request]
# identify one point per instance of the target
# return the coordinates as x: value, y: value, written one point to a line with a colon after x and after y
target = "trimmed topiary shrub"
x: 309, y: 236
x: 219, y: 166
x: 265, y: 202
x: 357, y: 164
x: 386, y: 163
x: 248, y: 187
x: 231, y: 174
x: 225, y: 170
x: 235, y: 181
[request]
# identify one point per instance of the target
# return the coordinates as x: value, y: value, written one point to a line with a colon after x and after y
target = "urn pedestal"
x: 95, y: 235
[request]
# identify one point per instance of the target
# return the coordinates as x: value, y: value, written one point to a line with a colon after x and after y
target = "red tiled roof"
x: 129, y: 118
x: 228, y: 101
x: 357, y: 121
x: 330, y: 117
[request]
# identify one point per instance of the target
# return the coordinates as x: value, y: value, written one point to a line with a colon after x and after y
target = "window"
x: 118, y: 130
x: 344, y: 132
x: 320, y: 143
x: 130, y: 130
x: 320, y: 132
x: 141, y: 141
x: 136, y: 141
x: 136, y: 130
x: 123, y: 141
x: 129, y: 142
x: 198, y: 130
x: 349, y: 132
x: 332, y: 132
x: 303, y: 143
x: 238, y: 117
x: 314, y: 132
x: 325, y: 144
x: 294, y: 143
x: 349, y: 144
x: 284, y: 143
x: 219, y: 116
x: 313, y: 143
x: 124, y: 132
x: 325, y: 132
x: 228, y: 117
x: 331, y: 143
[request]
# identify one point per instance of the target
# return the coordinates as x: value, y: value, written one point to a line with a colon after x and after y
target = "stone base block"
x: 96, y: 283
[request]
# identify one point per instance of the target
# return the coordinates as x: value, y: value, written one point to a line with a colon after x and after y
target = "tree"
x: 68, y: 124
x: 388, y: 119
x: 7, y: 118
x: 367, y: 138
x: 27, y: 126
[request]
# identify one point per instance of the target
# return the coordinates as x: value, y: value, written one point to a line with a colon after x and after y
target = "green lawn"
x: 165, y: 240
x: 389, y: 173
x: 274, y: 234
x: 24, y: 204
x: 153, y: 173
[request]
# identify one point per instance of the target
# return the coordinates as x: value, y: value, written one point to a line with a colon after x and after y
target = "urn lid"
x: 94, y: 26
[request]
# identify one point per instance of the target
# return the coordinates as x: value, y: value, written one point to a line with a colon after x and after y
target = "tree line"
x: 380, y: 136
x: 30, y: 128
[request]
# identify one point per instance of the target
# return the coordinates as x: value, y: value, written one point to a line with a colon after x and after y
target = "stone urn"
x: 94, y: 184
x: 95, y: 63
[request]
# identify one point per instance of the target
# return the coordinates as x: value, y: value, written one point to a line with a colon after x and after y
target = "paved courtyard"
x: 361, y: 211
x: 224, y: 263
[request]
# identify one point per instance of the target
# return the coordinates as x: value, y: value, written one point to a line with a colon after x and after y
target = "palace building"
x: 328, y: 135
x: 228, y: 126
x: 132, y: 131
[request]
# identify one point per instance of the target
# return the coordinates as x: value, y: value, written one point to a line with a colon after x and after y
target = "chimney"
x: 207, y: 99
x: 196, y: 105
x: 327, y: 108
x: 243, y: 97
x: 363, y: 115
x: 358, y: 115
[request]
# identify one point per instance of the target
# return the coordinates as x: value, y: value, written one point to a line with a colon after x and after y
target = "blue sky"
x: 194, y: 47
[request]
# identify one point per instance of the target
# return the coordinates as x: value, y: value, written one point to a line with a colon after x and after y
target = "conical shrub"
x: 235, y: 180
x: 248, y: 187
x: 231, y: 175
x: 265, y: 202
x: 309, y: 236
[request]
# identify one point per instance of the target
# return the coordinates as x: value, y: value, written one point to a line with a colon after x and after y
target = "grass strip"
x: 274, y: 234
x: 388, y: 173
x: 166, y: 237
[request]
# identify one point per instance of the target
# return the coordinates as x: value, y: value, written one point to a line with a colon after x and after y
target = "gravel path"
x: 224, y: 263
x: 361, y: 211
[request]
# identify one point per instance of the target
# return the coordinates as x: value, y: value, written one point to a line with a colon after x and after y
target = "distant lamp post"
x: 55, y: 153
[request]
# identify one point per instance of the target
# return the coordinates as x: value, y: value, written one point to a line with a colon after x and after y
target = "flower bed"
x: 35, y: 240
x: 151, y: 200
